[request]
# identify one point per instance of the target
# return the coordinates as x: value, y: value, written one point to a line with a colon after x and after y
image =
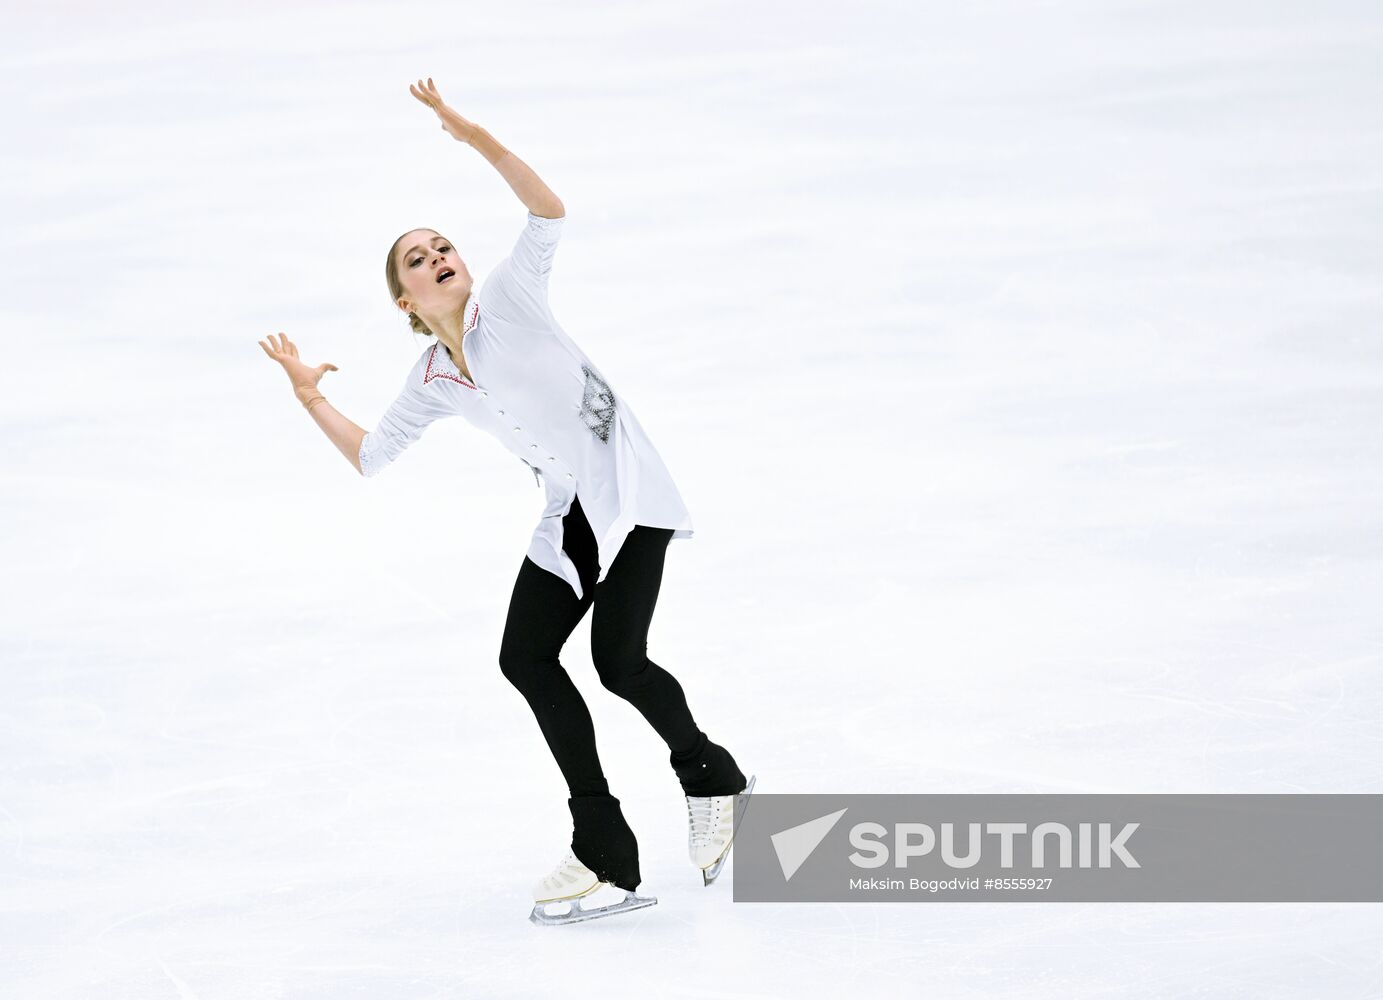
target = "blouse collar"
x: 470, y: 311
x: 441, y: 363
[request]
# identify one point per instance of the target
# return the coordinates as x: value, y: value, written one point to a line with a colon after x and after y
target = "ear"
x: 404, y: 305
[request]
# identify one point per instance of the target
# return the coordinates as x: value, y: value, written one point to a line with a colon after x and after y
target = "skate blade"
x: 579, y: 912
x: 709, y: 875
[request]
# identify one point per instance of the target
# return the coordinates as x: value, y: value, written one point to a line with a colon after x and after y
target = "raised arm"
x: 536, y: 196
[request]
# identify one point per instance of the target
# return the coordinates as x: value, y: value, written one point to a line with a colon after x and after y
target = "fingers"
x: 283, y: 348
x: 427, y: 93
x: 277, y: 348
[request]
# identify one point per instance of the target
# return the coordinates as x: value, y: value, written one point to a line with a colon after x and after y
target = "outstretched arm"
x: 343, y: 433
x: 536, y: 196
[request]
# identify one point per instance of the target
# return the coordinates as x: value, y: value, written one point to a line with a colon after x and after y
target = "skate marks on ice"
x: 1240, y: 717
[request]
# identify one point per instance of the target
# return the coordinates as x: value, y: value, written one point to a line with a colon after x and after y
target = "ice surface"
x: 1020, y: 364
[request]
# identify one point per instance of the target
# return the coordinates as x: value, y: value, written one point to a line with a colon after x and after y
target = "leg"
x: 543, y: 611
x: 624, y: 604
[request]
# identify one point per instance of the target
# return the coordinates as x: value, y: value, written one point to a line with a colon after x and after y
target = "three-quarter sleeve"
x: 402, y: 424
x: 518, y: 284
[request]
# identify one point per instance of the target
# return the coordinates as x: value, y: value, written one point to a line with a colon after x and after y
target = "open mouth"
x: 446, y: 274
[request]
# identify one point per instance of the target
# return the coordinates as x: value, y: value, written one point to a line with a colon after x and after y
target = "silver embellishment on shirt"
x: 597, y: 405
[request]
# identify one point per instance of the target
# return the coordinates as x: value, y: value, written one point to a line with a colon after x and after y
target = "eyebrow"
x: 419, y: 246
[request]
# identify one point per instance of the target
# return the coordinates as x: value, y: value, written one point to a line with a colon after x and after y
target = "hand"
x: 452, y: 123
x: 285, y: 352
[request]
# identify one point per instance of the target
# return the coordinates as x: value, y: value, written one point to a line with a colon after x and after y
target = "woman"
x: 501, y: 360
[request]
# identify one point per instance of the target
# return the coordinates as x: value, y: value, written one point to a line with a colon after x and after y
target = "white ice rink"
x: 1021, y: 365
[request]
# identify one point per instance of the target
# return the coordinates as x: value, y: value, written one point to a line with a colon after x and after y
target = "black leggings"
x: 543, y: 612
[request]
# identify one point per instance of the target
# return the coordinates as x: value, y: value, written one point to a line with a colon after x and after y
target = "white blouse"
x: 544, y: 400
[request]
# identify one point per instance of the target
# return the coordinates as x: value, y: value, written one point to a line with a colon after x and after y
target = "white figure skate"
x: 572, y: 884
x: 711, y: 831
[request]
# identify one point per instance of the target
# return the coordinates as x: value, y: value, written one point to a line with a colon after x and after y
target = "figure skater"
x: 500, y: 359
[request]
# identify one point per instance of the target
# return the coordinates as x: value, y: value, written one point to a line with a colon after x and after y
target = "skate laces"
x: 566, y: 872
x: 704, y: 813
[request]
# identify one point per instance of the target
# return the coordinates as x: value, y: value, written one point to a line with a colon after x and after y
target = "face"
x: 423, y: 257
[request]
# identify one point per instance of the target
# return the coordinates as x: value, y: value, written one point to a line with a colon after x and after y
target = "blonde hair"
x: 391, y: 276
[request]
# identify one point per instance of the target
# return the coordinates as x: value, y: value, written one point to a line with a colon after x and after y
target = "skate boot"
x: 711, y: 829
x: 707, y: 771
x: 571, y: 888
